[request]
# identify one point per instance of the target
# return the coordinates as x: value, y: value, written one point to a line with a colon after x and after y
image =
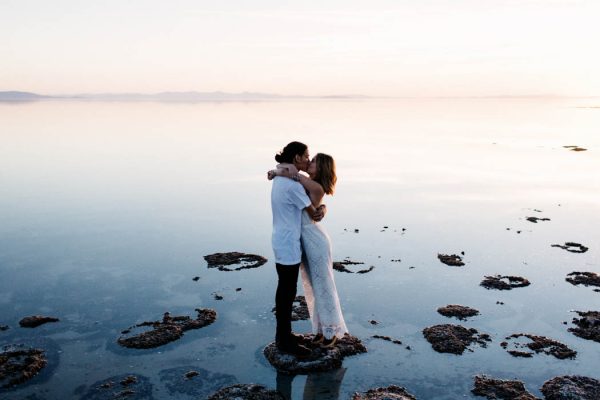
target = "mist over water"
x: 107, y: 209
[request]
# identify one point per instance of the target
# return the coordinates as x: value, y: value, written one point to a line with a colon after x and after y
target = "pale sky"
x: 376, y: 47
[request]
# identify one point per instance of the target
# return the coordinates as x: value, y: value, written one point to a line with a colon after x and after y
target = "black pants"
x: 284, y: 299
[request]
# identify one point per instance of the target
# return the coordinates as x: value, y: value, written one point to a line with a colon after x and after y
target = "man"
x: 288, y: 201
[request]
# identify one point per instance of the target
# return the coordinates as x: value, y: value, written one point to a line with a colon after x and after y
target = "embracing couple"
x: 301, y: 244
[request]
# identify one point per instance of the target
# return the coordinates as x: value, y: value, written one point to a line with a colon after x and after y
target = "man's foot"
x: 318, y: 339
x: 329, y: 343
x: 295, y: 349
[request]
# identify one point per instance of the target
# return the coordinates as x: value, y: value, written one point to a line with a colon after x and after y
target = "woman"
x: 317, y: 269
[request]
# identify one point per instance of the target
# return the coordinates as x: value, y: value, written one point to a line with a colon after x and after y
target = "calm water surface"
x: 107, y: 209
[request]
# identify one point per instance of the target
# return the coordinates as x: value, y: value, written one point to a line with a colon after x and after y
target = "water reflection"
x: 319, y: 386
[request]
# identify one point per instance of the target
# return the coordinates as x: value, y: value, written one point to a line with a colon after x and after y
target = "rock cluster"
x: 221, y: 260
x: 571, y: 387
x: 491, y: 388
x: 539, y: 344
x: 391, y: 392
x: 458, y: 311
x: 19, y: 364
x: 454, y: 339
x: 246, y: 392
x: 319, y: 360
x: 452, y: 260
x: 572, y: 247
x: 36, y: 320
x: 588, y: 326
x: 583, y: 278
x: 500, y: 282
x: 165, y: 331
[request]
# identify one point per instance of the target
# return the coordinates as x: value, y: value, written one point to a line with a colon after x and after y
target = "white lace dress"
x: 317, y: 279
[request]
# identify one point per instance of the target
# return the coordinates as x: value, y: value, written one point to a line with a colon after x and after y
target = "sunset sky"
x: 378, y: 48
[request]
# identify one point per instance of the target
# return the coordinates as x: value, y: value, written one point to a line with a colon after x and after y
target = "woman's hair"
x: 325, y: 175
x: 290, y: 151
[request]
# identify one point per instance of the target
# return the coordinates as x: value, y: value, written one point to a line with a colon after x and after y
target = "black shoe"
x: 294, y: 349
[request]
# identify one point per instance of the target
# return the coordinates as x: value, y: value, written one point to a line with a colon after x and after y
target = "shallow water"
x: 107, y: 209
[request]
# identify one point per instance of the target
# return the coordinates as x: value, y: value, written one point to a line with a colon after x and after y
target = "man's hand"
x: 320, y: 214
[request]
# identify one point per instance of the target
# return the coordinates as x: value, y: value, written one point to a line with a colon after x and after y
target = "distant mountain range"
x: 165, y: 96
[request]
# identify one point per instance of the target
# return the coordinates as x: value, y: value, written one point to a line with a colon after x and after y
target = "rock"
x: 192, y: 382
x: 500, y: 389
x: 453, y: 339
x: 36, y: 320
x: 504, y: 282
x: 453, y: 260
x: 246, y: 392
x: 583, y: 278
x: 341, y: 265
x: 220, y: 260
x: 458, y: 311
x: 131, y: 387
x: 299, y: 309
x: 571, y: 388
x: 536, y: 219
x: 165, y: 331
x: 386, y: 338
x: 572, y: 247
x: 364, y: 271
x: 391, y: 392
x: 588, y: 326
x: 191, y: 374
x: 19, y: 364
x: 373, y: 322
x: 128, y: 380
x: 196, y: 278
x: 539, y: 344
x: 575, y: 148
x: 217, y: 296
x: 320, y: 359
x: 3, y: 328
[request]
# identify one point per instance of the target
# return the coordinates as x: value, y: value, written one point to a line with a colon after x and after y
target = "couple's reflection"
x: 319, y: 385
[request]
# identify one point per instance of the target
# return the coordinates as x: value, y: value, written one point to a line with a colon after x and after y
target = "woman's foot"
x: 318, y: 339
x: 329, y: 343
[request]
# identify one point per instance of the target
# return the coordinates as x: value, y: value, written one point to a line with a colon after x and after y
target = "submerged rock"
x: 36, y: 320
x: 391, y: 392
x: 536, y: 219
x: 452, y: 260
x: 319, y: 360
x: 3, y: 328
x: 133, y: 386
x: 491, y: 388
x: 195, y: 382
x: 364, y: 271
x: 458, y: 311
x: 19, y: 364
x: 165, y: 331
x: 387, y: 338
x: 220, y: 260
x: 454, y: 339
x: 246, y: 392
x: 571, y: 388
x: 504, y: 282
x: 575, y: 148
x: 539, y: 344
x: 583, y: 278
x: 341, y: 265
x: 299, y: 309
x: 588, y: 326
x: 572, y: 247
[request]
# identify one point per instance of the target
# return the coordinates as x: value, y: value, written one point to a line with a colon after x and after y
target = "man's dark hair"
x: 290, y: 151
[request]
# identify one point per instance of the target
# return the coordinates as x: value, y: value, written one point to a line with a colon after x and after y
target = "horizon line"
x: 24, y: 95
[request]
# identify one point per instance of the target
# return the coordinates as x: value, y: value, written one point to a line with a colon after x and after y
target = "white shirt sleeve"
x: 299, y: 197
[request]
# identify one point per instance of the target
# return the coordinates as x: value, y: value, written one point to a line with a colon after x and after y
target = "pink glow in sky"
x: 389, y: 48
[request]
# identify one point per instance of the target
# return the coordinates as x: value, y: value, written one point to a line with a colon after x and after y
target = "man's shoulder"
x: 285, y: 183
